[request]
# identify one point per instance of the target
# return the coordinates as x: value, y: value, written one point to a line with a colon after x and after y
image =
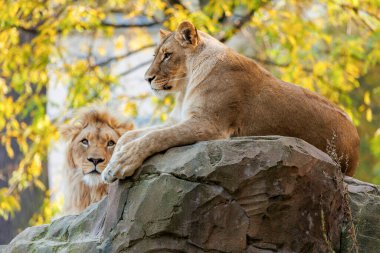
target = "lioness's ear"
x: 163, y: 33
x: 187, y: 34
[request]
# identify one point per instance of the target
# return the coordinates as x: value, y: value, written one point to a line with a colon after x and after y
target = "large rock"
x: 254, y: 194
x: 361, y: 230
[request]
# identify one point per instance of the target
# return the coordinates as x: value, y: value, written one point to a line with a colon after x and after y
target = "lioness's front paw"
x: 111, y: 174
x: 108, y: 175
x: 123, y: 164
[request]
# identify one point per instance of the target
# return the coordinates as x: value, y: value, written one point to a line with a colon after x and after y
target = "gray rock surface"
x: 364, y: 199
x: 253, y: 194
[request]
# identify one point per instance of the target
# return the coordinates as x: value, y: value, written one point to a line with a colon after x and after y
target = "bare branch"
x: 134, y: 68
x: 356, y: 10
x: 236, y: 26
x: 120, y: 57
x: 106, y: 23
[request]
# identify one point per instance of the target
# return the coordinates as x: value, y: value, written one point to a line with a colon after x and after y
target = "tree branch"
x: 142, y: 64
x: 120, y: 57
x: 106, y: 23
x: 356, y: 10
x: 357, y: 14
x: 24, y: 29
x: 236, y: 26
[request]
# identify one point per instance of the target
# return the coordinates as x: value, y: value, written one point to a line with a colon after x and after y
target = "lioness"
x: 221, y: 94
x: 91, y: 138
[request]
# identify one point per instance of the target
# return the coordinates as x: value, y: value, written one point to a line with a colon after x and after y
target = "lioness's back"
x: 274, y: 107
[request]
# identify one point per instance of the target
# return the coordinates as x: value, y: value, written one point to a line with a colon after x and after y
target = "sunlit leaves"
x: 320, y: 47
x: 49, y: 210
x: 8, y: 203
x: 120, y: 42
x: 87, y: 83
x: 165, y: 105
x: 130, y: 109
x: 29, y: 36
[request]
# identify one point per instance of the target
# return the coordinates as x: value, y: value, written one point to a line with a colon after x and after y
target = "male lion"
x: 221, y: 94
x: 91, y: 139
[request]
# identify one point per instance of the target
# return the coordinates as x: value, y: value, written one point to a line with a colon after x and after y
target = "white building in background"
x: 76, y: 46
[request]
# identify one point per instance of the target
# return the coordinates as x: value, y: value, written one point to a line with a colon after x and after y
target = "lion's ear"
x: 164, y: 34
x: 124, y: 127
x: 69, y: 131
x: 187, y: 34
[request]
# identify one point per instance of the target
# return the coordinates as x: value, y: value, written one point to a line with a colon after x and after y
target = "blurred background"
x: 56, y: 56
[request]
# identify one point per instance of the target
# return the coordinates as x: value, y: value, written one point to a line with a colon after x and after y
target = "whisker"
x: 160, y: 83
x: 171, y: 79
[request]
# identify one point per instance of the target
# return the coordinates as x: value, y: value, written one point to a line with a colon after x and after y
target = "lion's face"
x: 168, y: 70
x: 91, y: 141
x: 92, y: 149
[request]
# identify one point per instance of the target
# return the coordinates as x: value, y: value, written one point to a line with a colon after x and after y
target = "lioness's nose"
x: 149, y: 78
x: 95, y: 161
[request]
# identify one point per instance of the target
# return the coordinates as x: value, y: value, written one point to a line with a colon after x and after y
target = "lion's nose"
x: 95, y: 161
x: 150, y: 78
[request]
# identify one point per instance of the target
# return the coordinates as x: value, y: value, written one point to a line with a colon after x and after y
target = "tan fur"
x: 221, y: 94
x: 82, y: 180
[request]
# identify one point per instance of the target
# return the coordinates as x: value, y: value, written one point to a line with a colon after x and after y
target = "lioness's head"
x: 91, y: 137
x: 168, y: 70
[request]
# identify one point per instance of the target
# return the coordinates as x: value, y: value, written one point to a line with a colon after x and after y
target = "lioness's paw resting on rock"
x: 125, y: 160
x: 221, y: 94
x: 91, y: 139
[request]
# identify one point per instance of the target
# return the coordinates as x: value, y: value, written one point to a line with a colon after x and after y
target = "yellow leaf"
x: 3, y: 86
x: 102, y: 51
x: 9, y: 149
x: 292, y: 41
x: 368, y: 115
x: 119, y: 42
x: 319, y: 68
x: 163, y: 116
x: 352, y: 69
x: 40, y: 185
x: 167, y: 101
x: 131, y: 109
x: 5, y: 206
x: 367, y: 98
x: 14, y: 203
x: 35, y: 168
x: 327, y: 38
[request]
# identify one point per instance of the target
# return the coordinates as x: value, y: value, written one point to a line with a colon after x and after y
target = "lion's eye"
x: 84, y: 142
x: 167, y: 55
x: 111, y: 143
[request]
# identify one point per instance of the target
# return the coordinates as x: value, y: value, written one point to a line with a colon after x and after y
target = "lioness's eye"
x: 167, y: 55
x: 84, y: 142
x: 110, y: 143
